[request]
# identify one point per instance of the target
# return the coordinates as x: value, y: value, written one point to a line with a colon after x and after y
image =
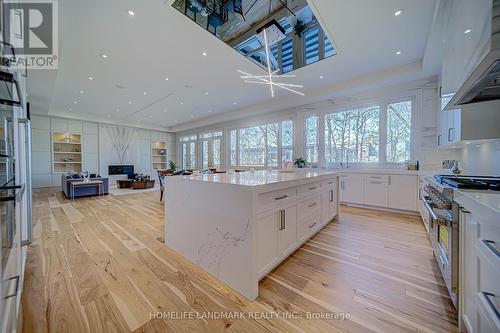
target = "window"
x: 188, y: 151
x: 312, y: 45
x: 328, y: 47
x: 211, y: 149
x: 287, y: 55
x: 260, y: 145
x: 352, y: 135
x: 398, y: 131
x: 286, y: 142
x: 312, y: 139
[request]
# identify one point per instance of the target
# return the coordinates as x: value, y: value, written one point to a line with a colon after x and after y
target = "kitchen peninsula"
x: 240, y: 226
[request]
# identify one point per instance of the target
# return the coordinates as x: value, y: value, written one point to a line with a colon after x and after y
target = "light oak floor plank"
x: 100, y: 265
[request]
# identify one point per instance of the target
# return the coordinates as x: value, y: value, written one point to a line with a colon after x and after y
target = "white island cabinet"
x: 239, y: 226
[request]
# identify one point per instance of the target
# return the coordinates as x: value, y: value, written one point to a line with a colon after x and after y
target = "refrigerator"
x: 15, y: 192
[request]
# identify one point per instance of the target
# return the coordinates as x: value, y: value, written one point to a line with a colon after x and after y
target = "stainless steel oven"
x: 443, y: 232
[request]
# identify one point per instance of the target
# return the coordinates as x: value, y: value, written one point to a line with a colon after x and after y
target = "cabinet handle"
x: 17, y: 278
x: 282, y: 197
x: 375, y: 177
x: 491, y: 246
x: 312, y: 205
x: 439, y: 140
x: 282, y: 217
x: 389, y: 180
x: 449, y: 134
x: 491, y: 303
x: 329, y: 183
x: 376, y: 182
x: 312, y: 225
x: 331, y: 195
x: 312, y: 188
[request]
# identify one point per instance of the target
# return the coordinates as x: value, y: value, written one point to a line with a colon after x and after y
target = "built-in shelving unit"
x: 159, y: 155
x: 66, y: 152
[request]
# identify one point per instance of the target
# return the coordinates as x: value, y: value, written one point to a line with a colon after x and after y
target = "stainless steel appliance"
x: 15, y: 192
x: 442, y: 220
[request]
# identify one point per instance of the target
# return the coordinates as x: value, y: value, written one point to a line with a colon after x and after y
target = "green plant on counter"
x: 299, y: 28
x: 172, y: 165
x: 300, y: 162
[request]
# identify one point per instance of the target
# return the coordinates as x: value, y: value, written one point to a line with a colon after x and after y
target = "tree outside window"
x: 399, y: 131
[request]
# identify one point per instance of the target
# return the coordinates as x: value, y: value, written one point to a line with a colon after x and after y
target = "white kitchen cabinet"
x: 75, y: 126
x: 403, y: 192
x: 352, y: 188
x: 376, y: 193
x: 59, y: 125
x: 267, y: 233
x: 328, y: 204
x: 287, y: 231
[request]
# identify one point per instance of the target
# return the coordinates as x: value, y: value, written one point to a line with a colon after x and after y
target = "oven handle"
x: 429, y: 208
x: 439, y: 220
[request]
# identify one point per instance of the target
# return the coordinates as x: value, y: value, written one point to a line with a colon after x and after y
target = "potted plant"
x: 172, y: 165
x: 300, y: 162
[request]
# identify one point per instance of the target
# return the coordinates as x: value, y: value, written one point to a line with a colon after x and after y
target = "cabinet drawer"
x: 308, y: 226
x: 352, y: 176
x: 309, y: 207
x: 488, y: 270
x: 377, y: 178
x: 329, y: 183
x: 277, y: 196
x: 309, y: 188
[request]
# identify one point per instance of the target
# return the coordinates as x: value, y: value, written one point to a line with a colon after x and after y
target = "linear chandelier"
x: 272, y: 76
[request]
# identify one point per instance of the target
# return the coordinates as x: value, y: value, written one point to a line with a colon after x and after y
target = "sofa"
x: 83, y: 191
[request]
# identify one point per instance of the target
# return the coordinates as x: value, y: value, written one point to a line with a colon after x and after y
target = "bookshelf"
x: 66, y: 152
x: 159, y: 155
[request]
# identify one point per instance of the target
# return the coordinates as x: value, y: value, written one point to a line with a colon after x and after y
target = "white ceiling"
x: 159, y: 42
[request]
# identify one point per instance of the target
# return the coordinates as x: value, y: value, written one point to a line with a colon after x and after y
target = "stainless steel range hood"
x: 483, y: 84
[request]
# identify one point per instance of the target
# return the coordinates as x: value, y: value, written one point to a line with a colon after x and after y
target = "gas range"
x: 470, y: 182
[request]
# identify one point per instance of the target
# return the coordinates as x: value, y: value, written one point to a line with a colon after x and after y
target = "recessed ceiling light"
x: 91, y: 78
x: 467, y: 31
x: 397, y: 13
x: 75, y: 102
x: 209, y: 111
x: 131, y: 13
x: 206, y: 92
x: 150, y: 116
x: 182, y: 103
x: 145, y: 93
x: 321, y: 76
x: 235, y: 102
x: 166, y: 78
x: 129, y: 102
x: 81, y: 91
x: 204, y: 53
x: 103, y: 55
x: 398, y: 53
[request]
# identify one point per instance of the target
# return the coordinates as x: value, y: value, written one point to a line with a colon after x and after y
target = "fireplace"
x: 122, y: 170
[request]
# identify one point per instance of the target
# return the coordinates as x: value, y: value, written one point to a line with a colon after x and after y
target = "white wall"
x: 97, y: 147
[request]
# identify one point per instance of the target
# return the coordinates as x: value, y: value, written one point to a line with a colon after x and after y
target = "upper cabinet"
x: 466, y: 40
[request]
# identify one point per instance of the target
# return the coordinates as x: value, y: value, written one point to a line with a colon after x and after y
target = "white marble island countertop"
x: 264, y: 178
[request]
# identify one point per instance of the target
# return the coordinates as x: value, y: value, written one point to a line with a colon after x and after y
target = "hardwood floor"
x: 100, y: 265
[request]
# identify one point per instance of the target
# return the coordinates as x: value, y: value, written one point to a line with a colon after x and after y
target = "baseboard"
x: 384, y: 209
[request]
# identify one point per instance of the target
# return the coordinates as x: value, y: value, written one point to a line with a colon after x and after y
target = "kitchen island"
x: 240, y: 226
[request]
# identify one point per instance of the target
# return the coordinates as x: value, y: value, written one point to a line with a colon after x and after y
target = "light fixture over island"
x: 239, y: 226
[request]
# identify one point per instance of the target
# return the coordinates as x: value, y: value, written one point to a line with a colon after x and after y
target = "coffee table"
x: 92, y: 183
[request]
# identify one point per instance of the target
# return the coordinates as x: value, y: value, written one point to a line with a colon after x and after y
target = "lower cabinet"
x: 352, y: 189
x: 286, y: 225
x: 277, y: 234
x: 403, y: 192
x: 378, y: 190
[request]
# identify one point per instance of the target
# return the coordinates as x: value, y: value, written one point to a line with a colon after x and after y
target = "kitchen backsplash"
x: 481, y: 159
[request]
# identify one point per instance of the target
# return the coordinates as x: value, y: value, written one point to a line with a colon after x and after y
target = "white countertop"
x: 261, y: 177
x: 381, y: 171
x: 480, y: 202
